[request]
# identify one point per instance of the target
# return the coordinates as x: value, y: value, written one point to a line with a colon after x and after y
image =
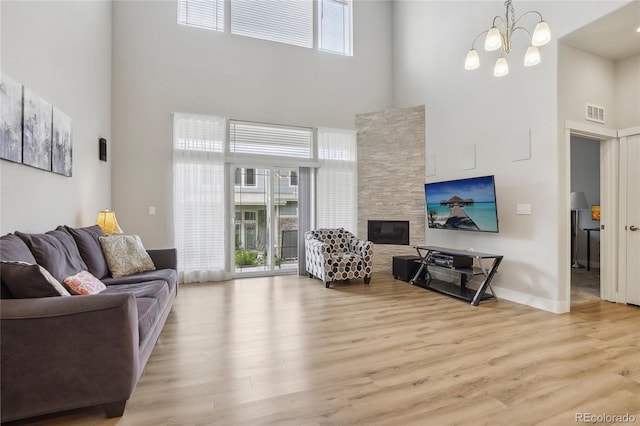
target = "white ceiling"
x: 613, y: 36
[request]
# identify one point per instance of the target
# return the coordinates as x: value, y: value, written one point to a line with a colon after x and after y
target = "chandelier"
x: 500, y: 36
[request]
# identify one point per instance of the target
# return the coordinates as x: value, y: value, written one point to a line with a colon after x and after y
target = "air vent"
x: 595, y: 113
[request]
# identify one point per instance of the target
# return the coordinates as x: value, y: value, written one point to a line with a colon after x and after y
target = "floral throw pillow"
x: 126, y: 255
x: 84, y: 283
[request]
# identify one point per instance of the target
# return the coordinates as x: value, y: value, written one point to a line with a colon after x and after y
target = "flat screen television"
x: 463, y: 204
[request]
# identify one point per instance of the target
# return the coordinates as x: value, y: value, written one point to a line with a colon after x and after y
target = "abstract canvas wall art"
x: 33, y: 131
x: 10, y: 119
x: 36, y: 147
x: 61, y: 154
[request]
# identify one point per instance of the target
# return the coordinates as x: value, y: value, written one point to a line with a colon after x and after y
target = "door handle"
x: 633, y: 228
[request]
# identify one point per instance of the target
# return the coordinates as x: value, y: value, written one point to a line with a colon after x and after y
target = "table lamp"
x: 108, y: 222
x: 578, y: 202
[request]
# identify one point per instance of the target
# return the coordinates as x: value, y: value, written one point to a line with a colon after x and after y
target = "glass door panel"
x: 285, y: 218
x: 265, y: 220
x: 251, y: 198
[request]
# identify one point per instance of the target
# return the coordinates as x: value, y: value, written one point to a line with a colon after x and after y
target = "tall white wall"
x: 463, y: 108
x: 160, y: 67
x: 586, y: 78
x: 628, y: 92
x: 61, y: 51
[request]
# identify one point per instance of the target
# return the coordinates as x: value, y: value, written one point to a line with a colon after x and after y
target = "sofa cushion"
x: 168, y: 275
x: 151, y: 298
x: 13, y: 248
x: 90, y: 249
x: 28, y: 280
x: 83, y: 283
x: 148, y: 311
x: 56, y: 251
x: 125, y: 255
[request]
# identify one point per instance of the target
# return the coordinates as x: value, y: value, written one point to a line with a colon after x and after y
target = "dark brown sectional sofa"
x: 60, y: 353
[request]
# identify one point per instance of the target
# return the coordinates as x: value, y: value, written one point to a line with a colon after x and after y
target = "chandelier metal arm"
x: 477, y: 37
x: 527, y: 13
x: 523, y: 29
x: 498, y: 17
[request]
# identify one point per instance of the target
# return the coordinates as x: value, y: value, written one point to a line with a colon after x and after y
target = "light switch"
x: 523, y: 209
x: 152, y: 211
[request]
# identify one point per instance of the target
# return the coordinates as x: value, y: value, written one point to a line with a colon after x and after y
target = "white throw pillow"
x: 126, y: 255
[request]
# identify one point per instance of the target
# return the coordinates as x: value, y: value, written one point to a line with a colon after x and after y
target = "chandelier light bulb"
x: 493, y: 40
x: 532, y: 57
x: 541, y: 34
x: 473, y: 60
x: 502, y: 67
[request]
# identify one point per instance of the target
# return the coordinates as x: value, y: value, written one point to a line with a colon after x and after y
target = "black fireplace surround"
x: 388, y: 232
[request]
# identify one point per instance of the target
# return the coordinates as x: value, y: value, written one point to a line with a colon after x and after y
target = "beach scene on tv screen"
x: 466, y: 204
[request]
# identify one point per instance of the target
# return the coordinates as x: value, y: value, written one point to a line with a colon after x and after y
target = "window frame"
x: 220, y: 21
x: 226, y: 25
x: 348, y: 44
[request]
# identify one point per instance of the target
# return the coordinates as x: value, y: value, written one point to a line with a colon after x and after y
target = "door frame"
x: 624, y: 135
x: 609, y: 189
x: 270, y: 269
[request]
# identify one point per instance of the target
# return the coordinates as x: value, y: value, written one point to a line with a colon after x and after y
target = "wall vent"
x: 595, y: 113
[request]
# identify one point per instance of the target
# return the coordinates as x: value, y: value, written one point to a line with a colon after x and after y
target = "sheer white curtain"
x: 199, y: 194
x: 336, y: 179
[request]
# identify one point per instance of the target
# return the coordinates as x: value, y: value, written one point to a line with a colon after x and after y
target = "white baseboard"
x: 554, y: 306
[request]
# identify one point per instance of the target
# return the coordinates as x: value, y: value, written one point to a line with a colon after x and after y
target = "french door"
x: 265, y: 220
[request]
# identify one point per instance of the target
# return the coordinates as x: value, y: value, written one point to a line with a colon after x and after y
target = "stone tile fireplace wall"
x: 391, y: 175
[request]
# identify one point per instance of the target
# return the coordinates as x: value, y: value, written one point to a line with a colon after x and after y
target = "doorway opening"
x: 585, y: 219
x: 265, y: 220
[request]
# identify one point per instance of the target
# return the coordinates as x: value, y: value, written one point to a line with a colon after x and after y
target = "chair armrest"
x: 361, y: 247
x: 59, y: 353
x: 318, y: 248
x: 164, y: 258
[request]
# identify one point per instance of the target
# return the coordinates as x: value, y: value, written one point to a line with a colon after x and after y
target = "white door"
x: 630, y: 215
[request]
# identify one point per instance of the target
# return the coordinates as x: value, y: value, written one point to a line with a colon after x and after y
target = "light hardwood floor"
x: 287, y: 351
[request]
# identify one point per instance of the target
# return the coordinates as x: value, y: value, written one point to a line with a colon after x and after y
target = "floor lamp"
x: 578, y: 202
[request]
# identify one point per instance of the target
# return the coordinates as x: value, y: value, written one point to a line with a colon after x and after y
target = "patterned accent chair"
x: 336, y: 254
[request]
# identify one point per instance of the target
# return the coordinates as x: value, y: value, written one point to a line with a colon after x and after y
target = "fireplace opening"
x: 388, y: 232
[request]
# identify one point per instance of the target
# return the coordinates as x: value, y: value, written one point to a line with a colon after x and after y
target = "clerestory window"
x: 283, y: 21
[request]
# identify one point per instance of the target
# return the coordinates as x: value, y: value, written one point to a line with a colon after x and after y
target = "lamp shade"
x: 502, y: 67
x: 578, y: 201
x: 108, y: 222
x: 541, y: 34
x: 472, y: 61
x: 532, y: 57
x: 493, y: 40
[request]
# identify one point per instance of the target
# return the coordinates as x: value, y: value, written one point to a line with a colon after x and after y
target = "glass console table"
x: 450, y: 261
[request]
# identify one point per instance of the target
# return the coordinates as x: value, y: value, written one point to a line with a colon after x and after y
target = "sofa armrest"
x: 164, y: 258
x: 60, y: 353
